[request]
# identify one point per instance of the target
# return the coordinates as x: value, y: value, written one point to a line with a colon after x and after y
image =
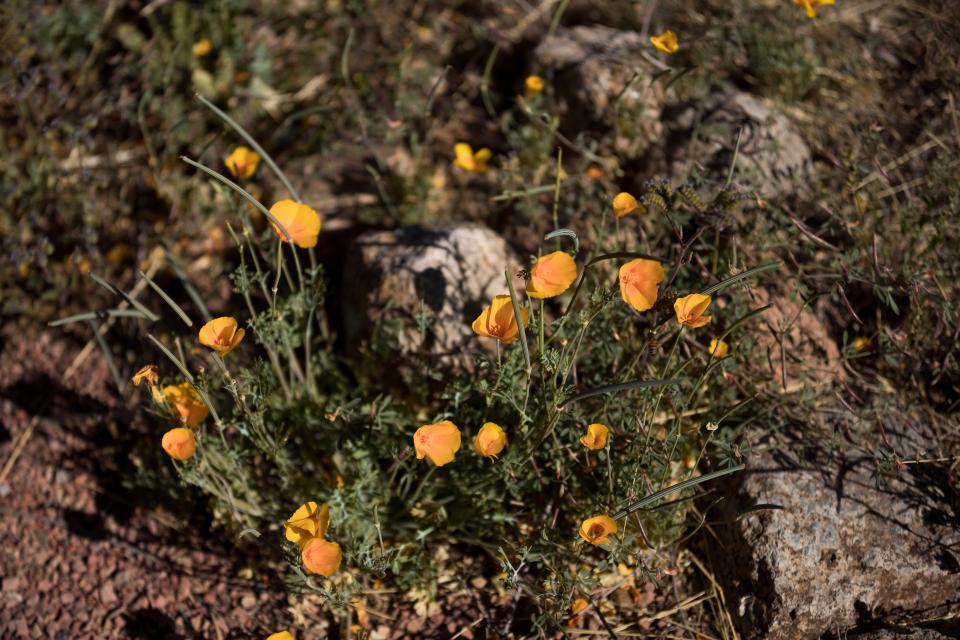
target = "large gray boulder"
x: 773, y: 159
x: 843, y: 555
x: 444, y: 275
x: 602, y: 79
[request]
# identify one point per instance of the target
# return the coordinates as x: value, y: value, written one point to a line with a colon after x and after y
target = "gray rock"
x: 602, y: 79
x: 773, y: 158
x: 842, y: 554
x: 904, y: 633
x: 455, y: 270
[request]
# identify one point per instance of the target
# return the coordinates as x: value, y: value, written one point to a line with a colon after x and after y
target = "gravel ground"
x: 76, y: 561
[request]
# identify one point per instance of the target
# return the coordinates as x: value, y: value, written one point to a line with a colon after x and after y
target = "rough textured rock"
x: 602, y: 79
x: 842, y: 555
x: 454, y: 270
x: 773, y: 158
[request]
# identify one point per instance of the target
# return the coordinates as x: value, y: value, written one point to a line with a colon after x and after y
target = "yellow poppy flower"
x: 490, y: 440
x: 624, y: 203
x: 321, y: 556
x: 497, y: 320
x: 281, y: 635
x: 466, y: 159
x: 242, y: 163
x: 551, y: 275
x: 862, y: 343
x: 666, y: 42
x: 718, y: 348
x: 533, y: 86
x: 596, y: 530
x: 308, y: 521
x: 596, y: 436
x: 808, y: 6
x: 439, y: 442
x: 299, y: 220
x: 186, y: 402
x: 221, y: 334
x: 179, y: 443
x: 146, y: 374
x: 578, y: 605
x: 639, y: 280
x: 202, y: 47
x: 690, y: 310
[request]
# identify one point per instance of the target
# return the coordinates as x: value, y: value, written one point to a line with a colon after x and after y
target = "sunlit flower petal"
x: 186, y: 402
x: 490, y: 440
x: 221, y: 334
x: 146, y: 374
x: 639, y: 281
x: 718, y: 348
x: 308, y: 521
x: 321, y: 556
x: 689, y: 310
x: 596, y: 436
x: 439, y: 442
x: 624, y: 203
x: 299, y: 220
x: 596, y: 530
x: 242, y: 163
x: 533, y: 86
x: 466, y: 159
x: 179, y: 443
x: 202, y: 47
x: 666, y: 42
x: 551, y: 275
x: 498, y: 320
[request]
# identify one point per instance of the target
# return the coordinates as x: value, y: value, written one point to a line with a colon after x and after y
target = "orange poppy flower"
x: 578, y: 605
x: 146, y: 374
x: 179, y: 443
x: 666, y: 42
x: 808, y: 6
x: 281, y: 635
x: 466, y: 159
x: 186, y: 402
x: 497, y: 320
x: 242, y: 163
x: 718, y: 348
x: 624, y: 203
x: 221, y: 334
x: 308, y: 521
x: 596, y: 437
x: 439, y: 442
x: 862, y: 343
x: 639, y: 280
x: 490, y: 440
x: 597, y: 530
x: 551, y: 275
x: 299, y: 220
x: 202, y: 47
x: 690, y: 310
x: 533, y: 86
x: 321, y: 556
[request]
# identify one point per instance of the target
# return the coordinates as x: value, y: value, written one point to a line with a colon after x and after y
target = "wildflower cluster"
x: 564, y: 425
